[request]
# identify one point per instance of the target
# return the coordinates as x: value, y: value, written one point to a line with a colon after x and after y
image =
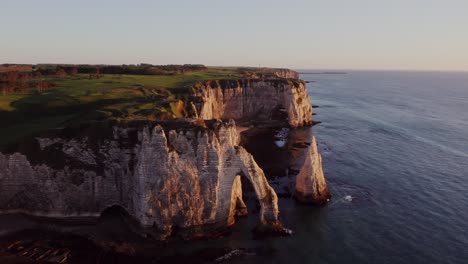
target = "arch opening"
x: 116, y: 221
x: 244, y: 199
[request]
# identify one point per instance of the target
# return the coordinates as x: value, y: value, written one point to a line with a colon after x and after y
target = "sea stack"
x: 311, y: 186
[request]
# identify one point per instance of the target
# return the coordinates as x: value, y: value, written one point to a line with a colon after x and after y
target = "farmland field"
x: 78, y: 98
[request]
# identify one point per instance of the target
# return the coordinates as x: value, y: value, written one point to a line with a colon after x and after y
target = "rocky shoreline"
x: 171, y: 179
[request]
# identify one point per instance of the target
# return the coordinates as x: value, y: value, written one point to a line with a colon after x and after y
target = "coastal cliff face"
x: 311, y: 186
x: 286, y: 74
x: 270, y: 73
x: 177, y: 175
x: 277, y: 100
x: 165, y: 179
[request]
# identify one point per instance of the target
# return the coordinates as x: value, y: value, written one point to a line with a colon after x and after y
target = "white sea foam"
x: 288, y: 231
x: 280, y: 143
x: 232, y: 253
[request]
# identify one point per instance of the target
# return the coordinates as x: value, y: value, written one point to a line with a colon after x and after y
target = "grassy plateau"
x: 78, y: 98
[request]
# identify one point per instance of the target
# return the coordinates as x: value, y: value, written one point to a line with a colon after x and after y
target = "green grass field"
x: 76, y: 99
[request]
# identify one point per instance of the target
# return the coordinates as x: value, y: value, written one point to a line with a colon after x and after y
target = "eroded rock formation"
x: 238, y: 207
x: 277, y: 100
x: 164, y: 179
x: 168, y: 177
x: 310, y: 182
x: 286, y: 74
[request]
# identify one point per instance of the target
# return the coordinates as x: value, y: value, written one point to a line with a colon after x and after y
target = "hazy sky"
x: 331, y: 34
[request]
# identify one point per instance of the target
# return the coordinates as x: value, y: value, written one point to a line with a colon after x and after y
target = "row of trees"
x: 57, y: 71
x: 142, y: 69
x: 97, y: 75
x: 21, y: 82
x: 15, y: 80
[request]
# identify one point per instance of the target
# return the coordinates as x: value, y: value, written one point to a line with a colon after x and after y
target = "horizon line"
x: 257, y: 66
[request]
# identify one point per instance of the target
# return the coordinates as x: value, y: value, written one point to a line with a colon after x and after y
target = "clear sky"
x: 322, y: 34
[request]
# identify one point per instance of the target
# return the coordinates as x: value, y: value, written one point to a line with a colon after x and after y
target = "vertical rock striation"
x: 197, y: 179
x: 310, y: 182
x: 286, y: 74
x: 174, y: 179
x: 280, y: 100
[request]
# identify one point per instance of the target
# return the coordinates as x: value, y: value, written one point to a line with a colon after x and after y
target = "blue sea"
x: 397, y: 143
x: 395, y: 155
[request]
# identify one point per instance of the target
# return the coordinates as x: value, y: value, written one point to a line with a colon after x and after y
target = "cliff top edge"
x: 37, y: 98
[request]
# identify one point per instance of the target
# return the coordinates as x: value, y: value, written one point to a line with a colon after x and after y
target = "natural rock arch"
x: 114, y: 210
x: 183, y: 180
x: 231, y: 197
x: 238, y: 206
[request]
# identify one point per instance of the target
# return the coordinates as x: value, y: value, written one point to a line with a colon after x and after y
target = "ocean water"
x: 395, y: 155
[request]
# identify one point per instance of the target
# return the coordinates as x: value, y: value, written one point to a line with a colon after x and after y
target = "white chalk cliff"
x: 182, y: 179
x: 165, y: 176
x: 254, y: 100
x: 311, y: 186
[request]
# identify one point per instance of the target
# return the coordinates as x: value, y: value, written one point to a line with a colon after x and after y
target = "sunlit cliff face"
x: 255, y: 100
x: 187, y: 178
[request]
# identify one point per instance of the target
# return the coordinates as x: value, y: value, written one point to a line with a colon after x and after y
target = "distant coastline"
x: 323, y: 72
